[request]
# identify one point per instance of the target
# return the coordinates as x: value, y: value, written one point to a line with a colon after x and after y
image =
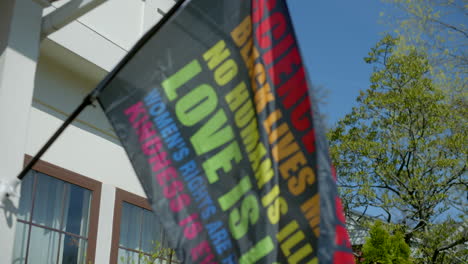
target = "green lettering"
x: 264, y: 173
x: 260, y: 250
x: 222, y: 160
x: 239, y: 221
x: 196, y: 105
x: 250, y: 135
x: 245, y: 114
x: 180, y: 78
x: 300, y: 254
x: 212, y: 134
x: 226, y: 72
x: 287, y: 230
x: 237, y: 96
x: 217, y: 54
x: 229, y: 199
x: 256, y: 156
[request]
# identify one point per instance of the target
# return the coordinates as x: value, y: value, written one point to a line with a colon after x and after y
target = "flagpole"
x: 86, y: 101
x: 92, y: 96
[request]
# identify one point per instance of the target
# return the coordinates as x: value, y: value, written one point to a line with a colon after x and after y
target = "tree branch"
x: 452, y: 27
x: 455, y: 243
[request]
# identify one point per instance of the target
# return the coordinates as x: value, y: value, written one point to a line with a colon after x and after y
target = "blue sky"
x: 334, y: 36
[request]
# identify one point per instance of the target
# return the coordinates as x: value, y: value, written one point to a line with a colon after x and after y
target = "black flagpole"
x: 86, y: 101
x: 91, y: 97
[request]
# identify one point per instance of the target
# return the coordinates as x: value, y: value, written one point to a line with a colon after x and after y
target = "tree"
x: 438, y: 28
x: 159, y: 254
x: 383, y: 248
x: 403, y: 151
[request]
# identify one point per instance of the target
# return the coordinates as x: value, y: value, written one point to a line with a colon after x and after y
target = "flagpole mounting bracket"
x: 8, y: 188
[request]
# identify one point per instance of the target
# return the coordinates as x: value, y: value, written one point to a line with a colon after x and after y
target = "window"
x: 137, y: 233
x: 57, y: 217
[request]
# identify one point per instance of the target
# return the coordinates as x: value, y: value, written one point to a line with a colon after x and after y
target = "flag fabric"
x: 214, y: 113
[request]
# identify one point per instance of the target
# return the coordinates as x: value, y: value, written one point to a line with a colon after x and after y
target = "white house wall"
x: 20, y: 30
x: 93, y: 43
x: 71, y: 63
x: 84, y: 42
x: 82, y: 148
x: 120, y: 21
x: 104, y: 35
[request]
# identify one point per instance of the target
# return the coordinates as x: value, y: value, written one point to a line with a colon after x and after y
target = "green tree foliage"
x: 159, y: 254
x: 383, y: 248
x: 403, y: 151
x: 437, y: 27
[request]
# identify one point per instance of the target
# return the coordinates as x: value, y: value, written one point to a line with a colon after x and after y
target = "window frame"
x: 122, y: 196
x: 68, y: 176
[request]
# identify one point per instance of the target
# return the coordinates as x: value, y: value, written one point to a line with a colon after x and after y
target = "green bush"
x: 383, y: 248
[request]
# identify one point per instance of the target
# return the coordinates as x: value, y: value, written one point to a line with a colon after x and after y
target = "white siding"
x: 84, y: 147
x: 72, y: 61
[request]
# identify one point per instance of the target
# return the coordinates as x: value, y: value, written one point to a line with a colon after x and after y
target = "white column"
x: 105, y: 225
x: 20, y: 25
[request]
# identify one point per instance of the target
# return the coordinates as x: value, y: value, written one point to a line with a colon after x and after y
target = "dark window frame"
x: 122, y: 196
x: 77, y: 179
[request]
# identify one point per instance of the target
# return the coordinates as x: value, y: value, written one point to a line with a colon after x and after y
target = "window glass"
x: 19, y: 249
x: 128, y: 257
x: 73, y: 249
x: 24, y: 209
x: 130, y: 226
x: 76, y: 218
x: 48, y: 201
x: 53, y: 221
x: 43, y: 246
x: 152, y: 234
x: 141, y: 236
